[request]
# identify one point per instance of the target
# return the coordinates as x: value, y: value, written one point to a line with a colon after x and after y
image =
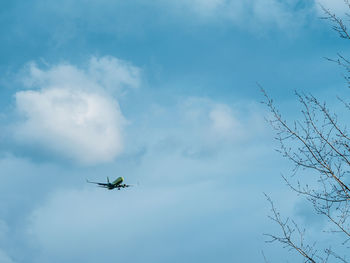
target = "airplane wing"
x: 99, y: 184
x: 124, y: 185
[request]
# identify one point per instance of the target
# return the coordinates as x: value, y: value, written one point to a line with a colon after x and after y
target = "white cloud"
x: 4, y: 240
x: 223, y: 122
x: 4, y: 229
x: 75, y: 224
x: 256, y: 14
x: 110, y: 16
x: 78, y: 125
x: 248, y: 13
x: 335, y: 6
x: 207, y: 7
x: 113, y: 73
x: 219, y: 122
x: 4, y: 258
x: 71, y: 112
x: 105, y: 73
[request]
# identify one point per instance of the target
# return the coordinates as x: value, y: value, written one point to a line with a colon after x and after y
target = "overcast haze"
x: 165, y: 94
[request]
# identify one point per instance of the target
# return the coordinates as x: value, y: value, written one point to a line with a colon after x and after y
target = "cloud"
x: 335, y: 6
x: 150, y: 224
x: 4, y: 258
x: 68, y: 21
x: 4, y: 241
x: 185, y: 210
x: 219, y: 122
x: 197, y: 129
x: 113, y: 73
x: 77, y: 125
x: 223, y: 123
x: 71, y: 112
x: 249, y: 13
x: 101, y: 73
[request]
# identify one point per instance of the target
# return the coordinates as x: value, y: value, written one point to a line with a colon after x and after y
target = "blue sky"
x: 163, y: 93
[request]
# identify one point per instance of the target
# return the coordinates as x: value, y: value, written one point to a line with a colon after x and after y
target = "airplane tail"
x: 108, y: 180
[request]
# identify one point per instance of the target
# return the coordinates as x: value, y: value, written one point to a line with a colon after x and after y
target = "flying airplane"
x: 117, y: 183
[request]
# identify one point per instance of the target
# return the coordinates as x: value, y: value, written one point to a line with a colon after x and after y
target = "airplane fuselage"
x: 117, y: 183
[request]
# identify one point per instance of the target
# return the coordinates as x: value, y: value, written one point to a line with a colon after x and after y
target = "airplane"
x: 117, y: 183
